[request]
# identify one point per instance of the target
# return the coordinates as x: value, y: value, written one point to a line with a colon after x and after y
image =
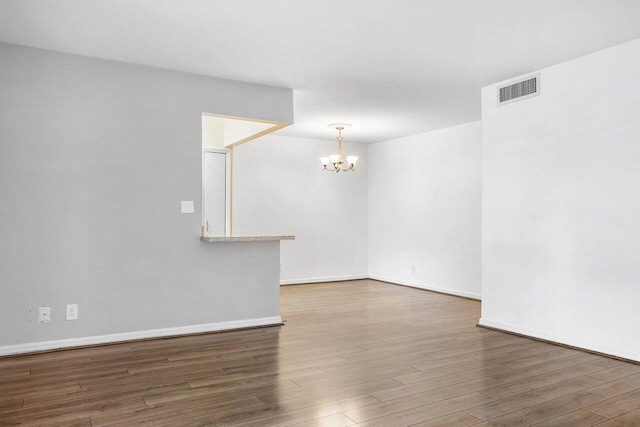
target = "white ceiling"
x: 389, y: 67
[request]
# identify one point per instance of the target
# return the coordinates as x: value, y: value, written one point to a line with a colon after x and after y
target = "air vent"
x: 520, y: 90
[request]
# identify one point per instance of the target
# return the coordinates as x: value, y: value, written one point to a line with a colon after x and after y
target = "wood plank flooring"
x: 361, y: 353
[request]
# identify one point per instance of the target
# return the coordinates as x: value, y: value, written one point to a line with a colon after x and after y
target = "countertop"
x: 243, y: 238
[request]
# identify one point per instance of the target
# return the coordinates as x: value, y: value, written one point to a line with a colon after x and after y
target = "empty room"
x: 319, y: 213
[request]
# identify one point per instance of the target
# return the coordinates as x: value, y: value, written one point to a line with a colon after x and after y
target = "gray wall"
x: 95, y: 157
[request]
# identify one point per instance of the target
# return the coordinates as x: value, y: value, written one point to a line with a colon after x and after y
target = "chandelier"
x: 336, y: 159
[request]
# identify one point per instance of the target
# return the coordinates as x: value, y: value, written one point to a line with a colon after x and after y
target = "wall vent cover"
x: 517, y: 91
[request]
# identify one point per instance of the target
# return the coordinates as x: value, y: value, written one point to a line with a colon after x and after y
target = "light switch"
x: 186, y: 206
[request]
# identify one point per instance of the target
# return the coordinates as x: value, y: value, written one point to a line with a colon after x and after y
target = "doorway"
x: 216, y: 191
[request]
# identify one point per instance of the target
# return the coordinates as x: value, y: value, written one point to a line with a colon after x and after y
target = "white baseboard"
x: 429, y: 287
x: 323, y: 279
x: 129, y: 336
x: 573, y: 342
x: 382, y: 279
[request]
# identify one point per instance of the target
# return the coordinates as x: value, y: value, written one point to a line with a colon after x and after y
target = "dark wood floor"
x: 362, y: 352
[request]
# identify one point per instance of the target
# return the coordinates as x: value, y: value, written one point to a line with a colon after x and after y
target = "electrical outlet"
x: 72, y: 311
x: 44, y: 314
x: 413, y: 269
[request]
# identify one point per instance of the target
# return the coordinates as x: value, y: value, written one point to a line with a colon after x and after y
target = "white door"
x: 215, y: 192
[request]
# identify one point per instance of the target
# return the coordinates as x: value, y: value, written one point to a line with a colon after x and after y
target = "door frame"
x: 228, y: 187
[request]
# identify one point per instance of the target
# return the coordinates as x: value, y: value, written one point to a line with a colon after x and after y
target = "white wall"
x: 237, y: 130
x: 95, y: 157
x: 561, y: 205
x: 280, y: 188
x: 212, y: 132
x: 424, y: 210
